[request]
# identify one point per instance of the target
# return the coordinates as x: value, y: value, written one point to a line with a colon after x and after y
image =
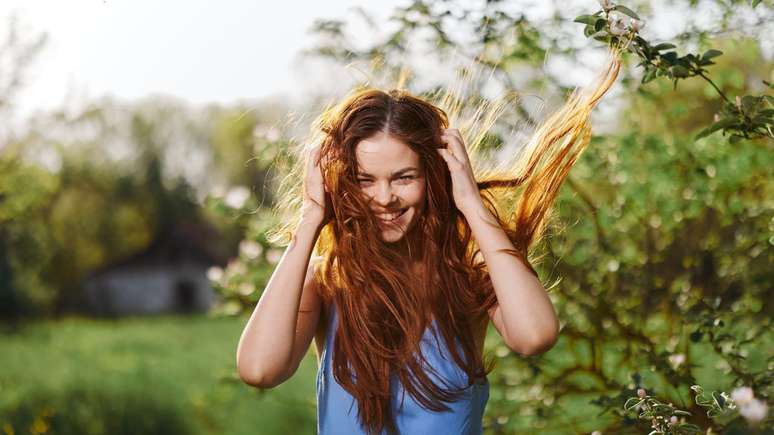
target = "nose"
x: 383, y: 194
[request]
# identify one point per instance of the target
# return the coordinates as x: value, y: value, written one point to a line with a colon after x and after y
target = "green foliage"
x: 91, y: 411
x: 161, y: 375
x: 751, y: 117
x: 661, y: 243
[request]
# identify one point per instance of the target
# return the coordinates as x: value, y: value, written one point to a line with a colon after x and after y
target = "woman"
x: 415, y: 260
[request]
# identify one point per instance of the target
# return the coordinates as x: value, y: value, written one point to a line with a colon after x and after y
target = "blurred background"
x: 142, y: 144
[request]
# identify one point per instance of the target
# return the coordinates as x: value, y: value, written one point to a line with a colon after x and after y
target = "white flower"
x: 636, y: 25
x: 754, y: 411
x: 234, y: 268
x: 742, y: 396
x: 214, y: 273
x: 677, y: 360
x: 250, y: 249
x: 246, y: 289
x: 641, y: 393
x: 606, y: 4
x: 237, y: 196
x: 270, y: 133
x: 618, y: 24
x: 274, y: 255
x: 596, y: 432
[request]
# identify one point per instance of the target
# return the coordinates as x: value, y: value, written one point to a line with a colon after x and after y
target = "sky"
x: 199, y: 50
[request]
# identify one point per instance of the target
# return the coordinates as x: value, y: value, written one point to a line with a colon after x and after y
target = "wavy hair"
x: 382, y: 314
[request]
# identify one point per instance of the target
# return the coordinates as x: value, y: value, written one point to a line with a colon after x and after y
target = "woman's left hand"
x: 464, y: 188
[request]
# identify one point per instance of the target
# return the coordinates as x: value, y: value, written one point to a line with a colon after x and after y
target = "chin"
x: 392, y: 236
x: 393, y: 233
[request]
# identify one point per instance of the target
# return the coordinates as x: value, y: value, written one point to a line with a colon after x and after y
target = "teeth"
x: 389, y: 216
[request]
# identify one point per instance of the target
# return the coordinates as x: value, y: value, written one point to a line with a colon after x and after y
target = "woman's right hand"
x: 317, y: 207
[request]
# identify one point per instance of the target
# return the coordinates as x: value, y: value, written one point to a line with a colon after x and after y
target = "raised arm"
x: 524, y: 315
x: 284, y: 321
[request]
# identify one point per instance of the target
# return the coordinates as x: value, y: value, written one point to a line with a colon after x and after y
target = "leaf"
x: 664, y: 46
x: 709, y: 54
x: 626, y: 11
x: 648, y: 76
x: 585, y: 19
x: 704, y: 62
x: 680, y: 71
x: 755, y: 3
x: 670, y: 57
x: 748, y: 102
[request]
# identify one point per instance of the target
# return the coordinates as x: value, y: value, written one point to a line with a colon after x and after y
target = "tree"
x: 661, y: 239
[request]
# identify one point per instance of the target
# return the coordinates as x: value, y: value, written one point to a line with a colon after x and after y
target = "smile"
x: 389, y: 217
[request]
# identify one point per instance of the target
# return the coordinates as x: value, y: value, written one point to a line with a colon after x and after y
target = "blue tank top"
x: 337, y: 409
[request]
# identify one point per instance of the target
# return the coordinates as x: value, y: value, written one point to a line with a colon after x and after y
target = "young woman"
x: 414, y: 262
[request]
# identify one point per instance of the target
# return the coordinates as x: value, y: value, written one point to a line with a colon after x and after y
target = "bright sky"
x: 200, y: 50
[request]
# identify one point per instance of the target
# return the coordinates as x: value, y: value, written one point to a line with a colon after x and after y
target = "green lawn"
x: 171, y: 375
x: 181, y: 368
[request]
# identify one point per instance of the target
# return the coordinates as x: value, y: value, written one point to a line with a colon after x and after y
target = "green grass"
x: 168, y: 365
x: 174, y: 375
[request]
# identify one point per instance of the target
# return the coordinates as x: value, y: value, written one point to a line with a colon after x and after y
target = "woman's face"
x: 390, y: 174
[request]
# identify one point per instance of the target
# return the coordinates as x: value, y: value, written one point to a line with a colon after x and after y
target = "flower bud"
x: 677, y: 360
x: 606, y: 4
x: 617, y: 24
x: 742, y: 396
x: 754, y: 411
x: 641, y: 393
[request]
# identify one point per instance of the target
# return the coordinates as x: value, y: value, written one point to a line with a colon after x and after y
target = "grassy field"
x: 176, y: 375
x: 171, y: 374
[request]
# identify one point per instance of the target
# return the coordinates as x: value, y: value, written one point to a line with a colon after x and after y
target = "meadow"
x: 142, y: 375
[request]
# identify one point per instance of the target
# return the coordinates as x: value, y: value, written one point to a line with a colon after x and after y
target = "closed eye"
x: 402, y: 178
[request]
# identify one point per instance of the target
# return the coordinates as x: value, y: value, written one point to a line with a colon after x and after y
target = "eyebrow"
x: 394, y: 174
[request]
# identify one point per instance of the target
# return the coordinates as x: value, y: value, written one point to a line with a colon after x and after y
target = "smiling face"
x: 390, y: 174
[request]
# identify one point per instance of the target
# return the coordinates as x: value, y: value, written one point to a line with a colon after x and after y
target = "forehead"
x: 382, y: 154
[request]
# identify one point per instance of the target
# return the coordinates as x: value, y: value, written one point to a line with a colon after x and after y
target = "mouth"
x: 391, y: 217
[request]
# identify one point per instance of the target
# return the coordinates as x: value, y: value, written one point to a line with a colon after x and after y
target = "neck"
x: 409, y: 247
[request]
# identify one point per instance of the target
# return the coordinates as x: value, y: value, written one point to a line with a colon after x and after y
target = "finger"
x: 457, y: 133
x: 449, y: 158
x: 453, y: 132
x: 456, y: 145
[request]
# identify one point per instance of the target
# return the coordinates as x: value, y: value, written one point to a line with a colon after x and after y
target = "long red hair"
x: 383, y: 309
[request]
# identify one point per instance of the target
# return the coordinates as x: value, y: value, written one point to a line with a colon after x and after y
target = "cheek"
x: 414, y: 195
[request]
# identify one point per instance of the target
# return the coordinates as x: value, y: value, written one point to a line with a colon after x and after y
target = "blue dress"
x: 337, y: 409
